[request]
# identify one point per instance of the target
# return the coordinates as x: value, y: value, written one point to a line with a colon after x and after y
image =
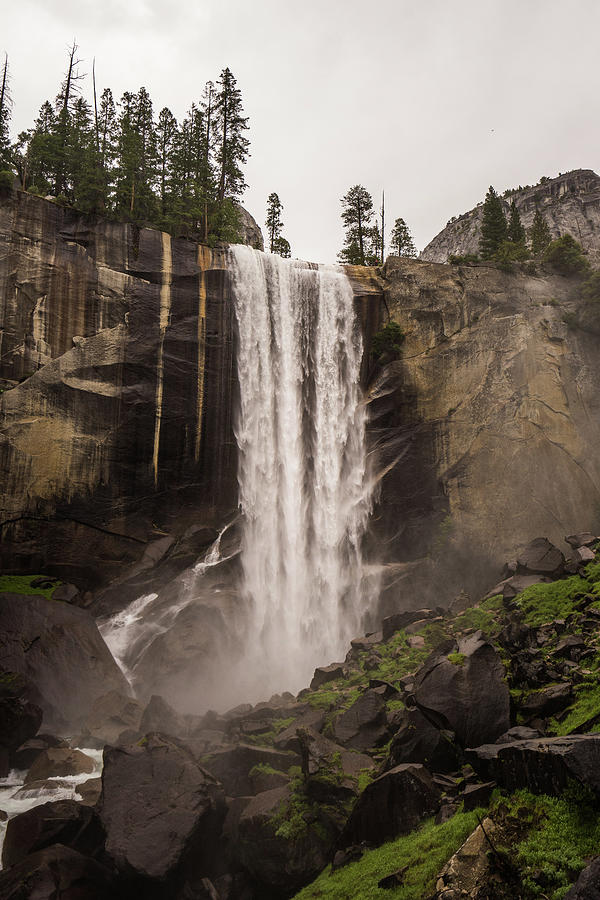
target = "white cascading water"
x: 303, y: 485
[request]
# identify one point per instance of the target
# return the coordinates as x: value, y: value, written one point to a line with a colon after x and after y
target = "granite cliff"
x: 570, y: 204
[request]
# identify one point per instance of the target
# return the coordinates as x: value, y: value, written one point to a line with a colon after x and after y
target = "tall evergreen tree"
x: 273, y: 221
x: 5, y: 112
x: 539, y: 234
x: 107, y: 138
x: 494, y: 229
x: 231, y: 145
x: 84, y: 185
x: 357, y: 216
x: 65, y: 103
x: 401, y: 239
x: 374, y: 247
x: 516, y: 231
x: 282, y: 247
x: 37, y: 150
x: 166, y: 130
x: 136, y: 164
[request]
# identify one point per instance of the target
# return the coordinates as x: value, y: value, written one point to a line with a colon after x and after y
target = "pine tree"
x: 231, y: 145
x: 357, y: 215
x: 5, y: 111
x: 539, y: 234
x: 401, y: 239
x: 136, y: 163
x: 65, y: 103
x: 374, y: 246
x: 84, y: 184
x: 107, y: 138
x: 166, y: 129
x: 273, y: 221
x: 37, y: 152
x: 516, y: 231
x: 494, y: 229
x: 282, y: 247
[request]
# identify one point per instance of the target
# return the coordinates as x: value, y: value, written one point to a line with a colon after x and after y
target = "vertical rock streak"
x: 204, y: 257
x: 164, y: 312
x: 303, y: 486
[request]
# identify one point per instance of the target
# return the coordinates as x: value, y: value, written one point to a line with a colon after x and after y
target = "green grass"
x: 457, y: 659
x: 424, y: 852
x: 21, y: 584
x: 562, y: 833
x: 586, y: 706
x: 544, y: 602
x: 477, y: 619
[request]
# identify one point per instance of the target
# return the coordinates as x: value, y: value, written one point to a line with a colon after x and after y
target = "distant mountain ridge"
x: 570, y: 204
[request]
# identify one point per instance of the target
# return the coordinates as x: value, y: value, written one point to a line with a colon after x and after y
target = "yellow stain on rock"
x: 165, y: 311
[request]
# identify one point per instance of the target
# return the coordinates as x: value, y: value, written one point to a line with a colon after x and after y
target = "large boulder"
x: 55, y: 762
x: 63, y: 822
x: 540, y: 557
x: 19, y: 718
x: 233, y: 766
x: 159, y: 808
x: 111, y: 714
x: 466, y: 693
x: 330, y: 771
x: 393, y: 804
x: 282, y: 843
x: 544, y: 765
x: 419, y: 741
x: 59, y: 649
x: 364, y: 724
x: 57, y: 873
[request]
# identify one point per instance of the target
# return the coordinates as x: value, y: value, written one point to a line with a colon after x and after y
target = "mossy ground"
x: 424, y: 852
x: 21, y: 584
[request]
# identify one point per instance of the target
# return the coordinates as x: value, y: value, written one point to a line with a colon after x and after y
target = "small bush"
x: 590, y: 290
x: 465, y: 259
x: 388, y: 341
x: 565, y: 255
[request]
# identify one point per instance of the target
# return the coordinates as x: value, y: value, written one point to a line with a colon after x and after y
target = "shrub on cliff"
x: 565, y: 255
x: 591, y: 287
x: 388, y: 341
x: 6, y: 181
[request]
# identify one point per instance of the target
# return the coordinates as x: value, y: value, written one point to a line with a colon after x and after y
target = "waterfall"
x: 303, y: 486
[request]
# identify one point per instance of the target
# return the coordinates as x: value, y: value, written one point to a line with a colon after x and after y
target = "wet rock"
x: 571, y: 646
x: 323, y: 674
x: 63, y: 822
x: 160, y: 716
x: 396, y: 879
x: 57, y: 761
x: 466, y: 873
x: 583, y: 539
x: 90, y: 791
x: 111, y: 714
x: 587, y: 886
x: 518, y: 733
x: 540, y: 557
x: 367, y: 642
x: 59, y: 649
x: 287, y: 739
x: 510, y: 587
x: 391, y: 624
x: 471, y: 698
x: 156, y: 797
x: 329, y: 770
x: 20, y: 719
x: 419, y: 741
x: 475, y: 795
x: 364, y: 724
x: 27, y: 753
x: 544, y: 765
x: 348, y: 855
x: 548, y: 701
x: 393, y: 804
x: 67, y: 593
x: 232, y: 767
x: 57, y: 873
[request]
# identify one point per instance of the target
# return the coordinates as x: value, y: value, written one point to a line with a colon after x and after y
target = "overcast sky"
x: 431, y: 101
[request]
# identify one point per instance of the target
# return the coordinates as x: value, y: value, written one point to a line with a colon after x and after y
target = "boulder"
x: 63, y: 822
x: 111, y: 714
x: 282, y: 853
x: 232, y: 767
x: 330, y: 770
x: 516, y: 584
x: 160, y: 716
x: 323, y: 674
x: 57, y: 873
x: 518, y: 733
x: 583, y: 539
x: 288, y: 738
x: 467, y: 872
x: 540, y: 557
x: 66, y: 593
x: 20, y: 719
x: 469, y: 696
x: 159, y: 807
x: 587, y: 886
x: 59, y: 649
x: 419, y: 741
x: 548, y: 701
x: 545, y: 765
x: 393, y: 804
x: 391, y: 624
x: 364, y: 724
x: 25, y: 755
x: 90, y: 791
x: 59, y: 761
x: 365, y: 643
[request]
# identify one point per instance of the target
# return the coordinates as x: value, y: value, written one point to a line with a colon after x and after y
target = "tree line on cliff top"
x: 117, y: 158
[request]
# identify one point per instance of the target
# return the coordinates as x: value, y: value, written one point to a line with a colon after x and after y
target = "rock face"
x: 59, y: 648
x: 489, y: 420
x: 57, y: 873
x: 64, y: 822
x: 569, y: 203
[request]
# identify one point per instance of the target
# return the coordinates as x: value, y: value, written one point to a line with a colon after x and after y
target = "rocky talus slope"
x: 453, y: 753
x: 570, y: 204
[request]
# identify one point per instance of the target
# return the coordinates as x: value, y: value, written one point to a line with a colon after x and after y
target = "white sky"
x: 431, y: 101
